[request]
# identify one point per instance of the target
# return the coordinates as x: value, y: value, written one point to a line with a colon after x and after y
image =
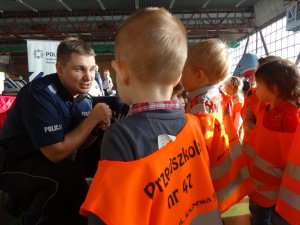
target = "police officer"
x: 49, y: 123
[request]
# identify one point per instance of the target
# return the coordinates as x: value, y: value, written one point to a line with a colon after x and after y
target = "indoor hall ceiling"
x: 97, y: 20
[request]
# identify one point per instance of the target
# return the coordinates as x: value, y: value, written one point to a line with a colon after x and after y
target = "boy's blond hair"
x: 235, y: 82
x: 212, y: 56
x: 153, y: 44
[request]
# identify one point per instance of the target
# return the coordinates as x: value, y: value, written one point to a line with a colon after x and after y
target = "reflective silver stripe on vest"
x: 230, y: 188
x: 293, y: 171
x: 219, y: 171
x: 210, y: 218
x: 267, y: 167
x: 271, y: 195
x: 289, y: 197
x: 249, y: 150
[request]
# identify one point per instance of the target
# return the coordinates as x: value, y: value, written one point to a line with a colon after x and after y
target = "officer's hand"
x: 104, y: 125
x: 102, y: 113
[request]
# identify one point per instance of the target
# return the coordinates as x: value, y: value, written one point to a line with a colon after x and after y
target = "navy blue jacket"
x: 43, y: 113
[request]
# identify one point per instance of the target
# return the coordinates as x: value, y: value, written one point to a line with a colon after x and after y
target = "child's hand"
x: 118, y: 116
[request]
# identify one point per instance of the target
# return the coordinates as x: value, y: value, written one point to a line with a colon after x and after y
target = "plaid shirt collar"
x: 151, y: 106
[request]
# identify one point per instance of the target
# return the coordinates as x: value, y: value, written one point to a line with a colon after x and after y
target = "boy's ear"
x: 176, y: 81
x: 199, y: 75
x: 121, y: 70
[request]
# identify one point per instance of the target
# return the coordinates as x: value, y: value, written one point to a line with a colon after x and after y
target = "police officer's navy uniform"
x: 44, y: 191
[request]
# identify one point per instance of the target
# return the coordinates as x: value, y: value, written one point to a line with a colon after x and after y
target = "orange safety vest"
x: 267, y: 152
x: 288, y: 202
x: 252, y: 100
x: 169, y: 186
x: 237, y: 106
x: 229, y: 171
x: 238, y: 103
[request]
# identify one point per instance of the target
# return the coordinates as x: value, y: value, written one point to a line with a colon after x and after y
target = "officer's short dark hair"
x: 72, y: 45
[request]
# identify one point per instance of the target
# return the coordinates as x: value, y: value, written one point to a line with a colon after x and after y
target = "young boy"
x: 206, y: 67
x: 154, y: 167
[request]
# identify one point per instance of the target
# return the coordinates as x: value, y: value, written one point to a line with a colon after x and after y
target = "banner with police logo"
x: 41, y: 57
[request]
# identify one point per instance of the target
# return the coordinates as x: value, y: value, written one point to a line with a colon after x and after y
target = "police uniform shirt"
x: 43, y: 113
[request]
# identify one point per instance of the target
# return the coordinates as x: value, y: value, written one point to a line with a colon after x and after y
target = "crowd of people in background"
x: 102, y: 87
x: 193, y: 143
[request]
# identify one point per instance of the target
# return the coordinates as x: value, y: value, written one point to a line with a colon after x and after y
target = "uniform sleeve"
x: 41, y: 118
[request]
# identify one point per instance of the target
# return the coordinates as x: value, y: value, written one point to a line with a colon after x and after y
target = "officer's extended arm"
x: 101, y: 114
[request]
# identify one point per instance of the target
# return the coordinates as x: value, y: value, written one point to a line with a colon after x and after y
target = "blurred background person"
x: 96, y: 89
x: 233, y: 87
x: 107, y: 82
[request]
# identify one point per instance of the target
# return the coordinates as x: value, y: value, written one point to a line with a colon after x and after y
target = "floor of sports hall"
x: 236, y: 215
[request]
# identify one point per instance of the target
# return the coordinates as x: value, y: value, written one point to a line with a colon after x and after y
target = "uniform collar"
x: 64, y: 93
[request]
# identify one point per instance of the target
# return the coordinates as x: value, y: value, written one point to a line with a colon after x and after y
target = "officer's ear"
x: 122, y: 72
x: 58, y: 68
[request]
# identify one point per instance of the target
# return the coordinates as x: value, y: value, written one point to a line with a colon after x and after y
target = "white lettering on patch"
x: 85, y: 113
x: 53, y: 128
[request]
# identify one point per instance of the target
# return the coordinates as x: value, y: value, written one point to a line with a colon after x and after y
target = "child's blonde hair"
x: 212, y: 56
x: 235, y: 82
x: 154, y: 45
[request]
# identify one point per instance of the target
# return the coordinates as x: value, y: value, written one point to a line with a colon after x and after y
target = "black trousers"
x: 46, y: 193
